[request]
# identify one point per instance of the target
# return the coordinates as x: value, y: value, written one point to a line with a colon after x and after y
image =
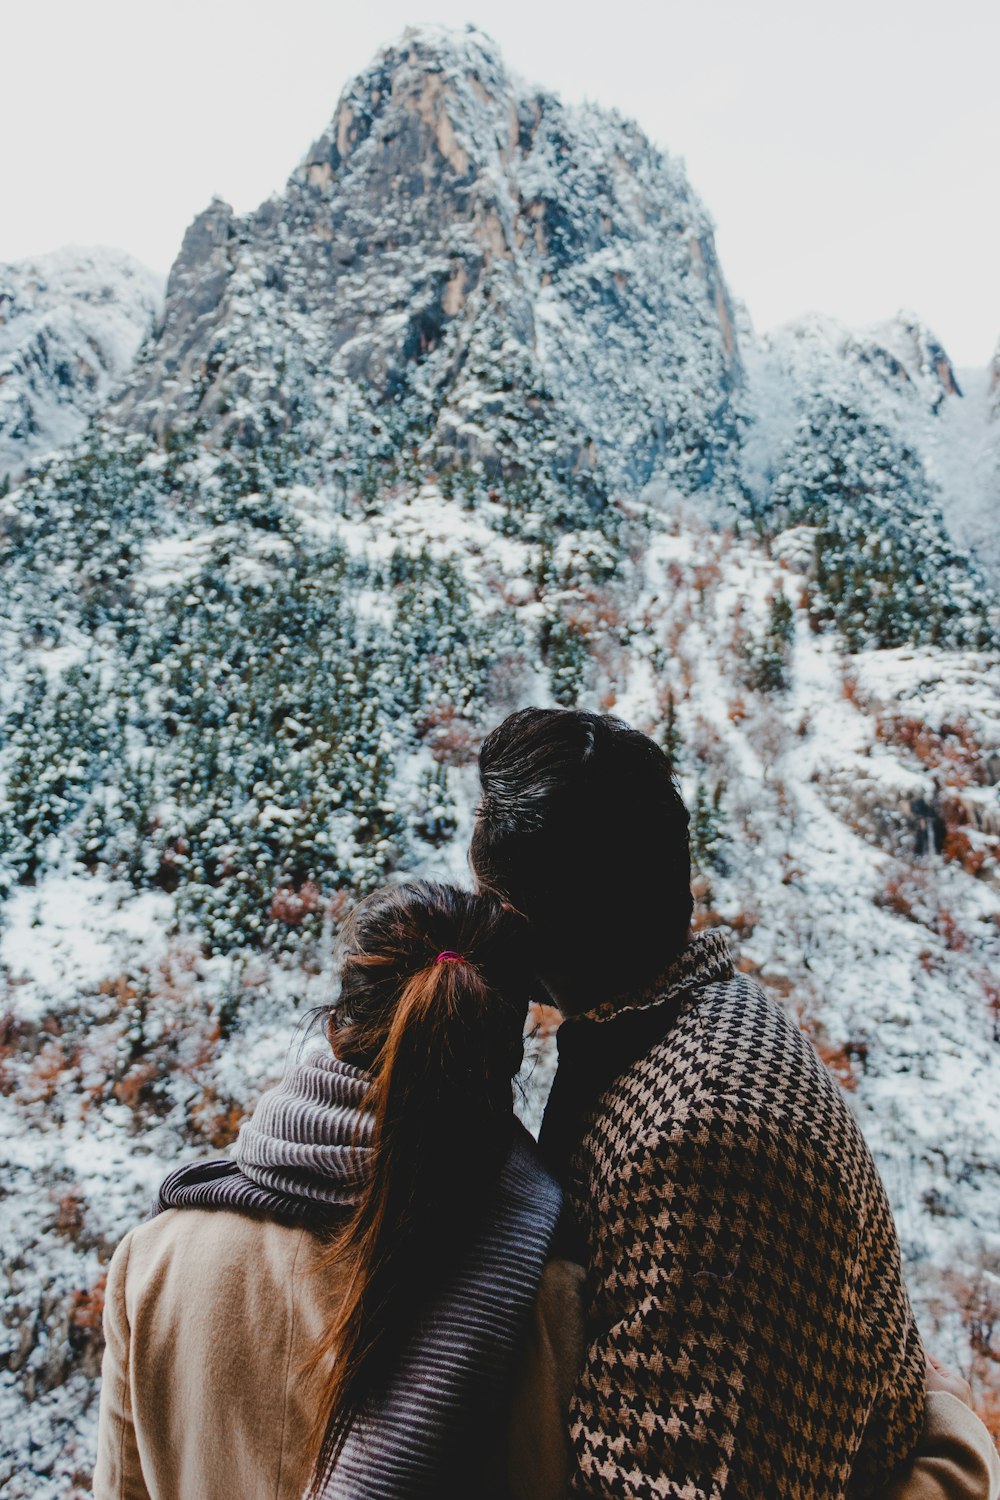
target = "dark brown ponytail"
x: 442, y: 1039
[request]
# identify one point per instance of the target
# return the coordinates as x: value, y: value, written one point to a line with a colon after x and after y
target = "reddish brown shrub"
x: 705, y: 914
x: 121, y: 987
x: 87, y: 1307
x: 836, y: 1057
x: 838, y: 1061
x: 291, y: 907
x: 451, y: 739
x: 136, y: 1088
x: 69, y: 1215
x: 676, y: 631
x: 11, y: 1029
x: 987, y: 1406
x: 958, y: 845
x: 706, y: 576
x: 41, y: 1083
x: 781, y: 988
x: 214, y: 1120
x: 953, y: 750
x: 593, y: 609
x: 12, y: 1035
x: 895, y: 898
x: 959, y: 849
x: 955, y: 938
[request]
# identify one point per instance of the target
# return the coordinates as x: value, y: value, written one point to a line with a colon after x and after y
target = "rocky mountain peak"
x: 451, y: 88
x: 901, y: 356
x: 909, y: 352
x: 454, y: 234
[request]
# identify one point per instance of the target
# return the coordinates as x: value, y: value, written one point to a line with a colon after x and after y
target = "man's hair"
x: 582, y: 827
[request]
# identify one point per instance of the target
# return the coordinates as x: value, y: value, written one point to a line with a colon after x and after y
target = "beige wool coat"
x: 210, y: 1318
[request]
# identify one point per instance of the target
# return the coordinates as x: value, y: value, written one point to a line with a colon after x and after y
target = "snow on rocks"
x: 71, y: 323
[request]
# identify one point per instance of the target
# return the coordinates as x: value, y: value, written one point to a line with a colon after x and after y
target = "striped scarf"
x: 300, y: 1160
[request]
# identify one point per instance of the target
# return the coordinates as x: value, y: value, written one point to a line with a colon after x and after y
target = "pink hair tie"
x: 450, y: 957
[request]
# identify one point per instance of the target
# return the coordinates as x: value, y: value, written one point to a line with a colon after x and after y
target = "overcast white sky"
x: 849, y: 152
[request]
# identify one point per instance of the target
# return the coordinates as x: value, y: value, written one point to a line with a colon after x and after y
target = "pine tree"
x: 670, y: 734
x: 768, y: 662
x: 707, y: 831
x: 565, y: 654
x: 435, y: 814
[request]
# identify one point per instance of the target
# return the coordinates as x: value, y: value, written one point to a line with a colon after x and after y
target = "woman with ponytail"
x: 342, y: 1309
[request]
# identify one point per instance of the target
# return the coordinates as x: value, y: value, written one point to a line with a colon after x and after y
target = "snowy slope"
x: 128, y: 1048
x: 71, y: 323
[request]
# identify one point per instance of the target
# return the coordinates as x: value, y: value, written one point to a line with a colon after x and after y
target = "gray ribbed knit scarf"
x: 300, y: 1159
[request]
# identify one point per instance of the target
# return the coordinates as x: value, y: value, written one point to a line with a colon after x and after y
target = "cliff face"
x: 467, y: 257
x: 70, y: 325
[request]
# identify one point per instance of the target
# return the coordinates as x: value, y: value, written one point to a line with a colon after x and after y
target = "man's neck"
x: 574, y: 995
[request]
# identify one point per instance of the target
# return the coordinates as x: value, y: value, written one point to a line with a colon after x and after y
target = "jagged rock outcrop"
x: 70, y: 325
x: 907, y: 353
x: 897, y: 367
x: 521, y: 284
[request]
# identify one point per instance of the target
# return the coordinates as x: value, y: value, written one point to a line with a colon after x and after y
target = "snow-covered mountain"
x: 867, y: 435
x: 466, y: 264
x: 921, y: 442
x: 463, y: 419
x: 71, y: 323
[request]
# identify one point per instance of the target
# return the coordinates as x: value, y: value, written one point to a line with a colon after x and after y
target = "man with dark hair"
x: 748, y: 1329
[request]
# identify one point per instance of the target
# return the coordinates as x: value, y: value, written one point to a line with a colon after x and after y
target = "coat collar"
x: 706, y: 960
x: 601, y: 1044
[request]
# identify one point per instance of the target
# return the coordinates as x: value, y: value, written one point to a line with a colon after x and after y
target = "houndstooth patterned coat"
x: 750, y: 1331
